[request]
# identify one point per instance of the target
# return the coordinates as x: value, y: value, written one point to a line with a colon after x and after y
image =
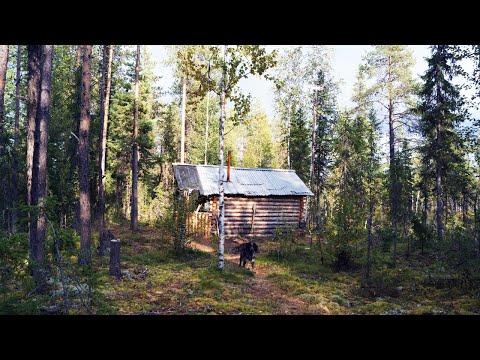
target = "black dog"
x: 247, y: 253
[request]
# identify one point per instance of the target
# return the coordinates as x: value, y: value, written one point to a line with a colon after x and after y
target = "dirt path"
x: 263, y: 289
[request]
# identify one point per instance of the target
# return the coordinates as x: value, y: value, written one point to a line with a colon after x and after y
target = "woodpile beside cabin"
x: 258, y: 202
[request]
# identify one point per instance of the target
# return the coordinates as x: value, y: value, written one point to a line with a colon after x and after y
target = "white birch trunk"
x: 184, y: 100
x: 288, y: 137
x: 221, y: 189
x: 103, y: 152
x: 206, y: 129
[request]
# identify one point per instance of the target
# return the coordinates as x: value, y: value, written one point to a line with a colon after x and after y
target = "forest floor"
x: 156, y: 281
x: 296, y: 283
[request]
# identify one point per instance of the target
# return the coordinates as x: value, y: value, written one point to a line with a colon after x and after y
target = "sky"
x: 345, y: 62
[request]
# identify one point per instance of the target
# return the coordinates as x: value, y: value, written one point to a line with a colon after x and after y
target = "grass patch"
x: 291, y: 281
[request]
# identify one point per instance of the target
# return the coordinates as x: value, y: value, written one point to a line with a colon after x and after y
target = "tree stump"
x: 115, y: 258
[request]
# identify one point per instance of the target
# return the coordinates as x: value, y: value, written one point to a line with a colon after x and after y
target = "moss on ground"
x: 158, y: 281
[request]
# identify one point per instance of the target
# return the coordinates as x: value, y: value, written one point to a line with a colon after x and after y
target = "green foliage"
x: 423, y: 233
x: 13, y: 257
x: 351, y: 180
x: 284, y: 238
x: 299, y: 144
x: 390, y: 66
x: 441, y: 111
x: 151, y: 114
x: 239, y: 62
x: 259, y: 149
x: 350, y: 162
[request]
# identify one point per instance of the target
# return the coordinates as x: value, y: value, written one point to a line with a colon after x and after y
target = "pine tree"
x: 391, y: 68
x: 15, y: 168
x: 3, y: 77
x: 39, y: 192
x: 84, y: 158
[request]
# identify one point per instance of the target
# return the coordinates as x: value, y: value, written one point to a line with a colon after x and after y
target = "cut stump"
x: 115, y: 258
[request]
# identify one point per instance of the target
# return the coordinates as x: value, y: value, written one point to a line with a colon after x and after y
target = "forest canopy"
x: 89, y: 134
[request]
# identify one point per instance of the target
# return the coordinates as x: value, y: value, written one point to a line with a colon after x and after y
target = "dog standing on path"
x: 247, y: 253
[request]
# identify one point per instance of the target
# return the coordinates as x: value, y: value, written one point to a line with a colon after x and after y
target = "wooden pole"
x: 115, y: 258
x: 228, y: 168
x: 253, y: 218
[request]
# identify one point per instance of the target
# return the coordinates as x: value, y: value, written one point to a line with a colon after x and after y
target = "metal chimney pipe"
x: 228, y: 168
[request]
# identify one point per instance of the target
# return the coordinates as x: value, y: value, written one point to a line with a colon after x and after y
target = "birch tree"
x: 102, y: 148
x: 390, y: 68
x: 184, y: 106
x: 233, y: 63
x: 134, y: 211
x: 291, y: 76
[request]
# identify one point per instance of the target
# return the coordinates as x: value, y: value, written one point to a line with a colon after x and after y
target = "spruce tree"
x: 441, y: 111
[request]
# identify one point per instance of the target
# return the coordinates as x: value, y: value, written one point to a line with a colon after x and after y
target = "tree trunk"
x: 425, y: 208
x: 369, y: 244
x: 134, y: 210
x: 83, y: 152
x: 101, y: 116
x: 393, y: 165
x: 438, y: 186
x: 370, y: 207
x: 107, y: 65
x: 475, y: 225
x: 312, y: 156
x: 40, y: 163
x: 416, y: 201
x: 3, y: 78
x: 72, y: 206
x: 465, y: 210
x: 289, y: 165
x: 221, y: 189
x: 184, y: 101
x: 33, y: 94
x: 15, y: 142
x: 206, y: 129
x: 438, y: 174
x: 79, y: 55
x: 101, y: 112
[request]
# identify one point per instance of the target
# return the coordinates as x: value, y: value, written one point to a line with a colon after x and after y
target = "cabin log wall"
x: 271, y: 213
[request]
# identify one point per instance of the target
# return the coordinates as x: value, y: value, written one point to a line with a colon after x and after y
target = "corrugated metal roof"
x: 243, y: 181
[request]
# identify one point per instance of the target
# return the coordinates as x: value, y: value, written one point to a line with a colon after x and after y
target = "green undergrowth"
x: 416, y: 285
x: 158, y: 280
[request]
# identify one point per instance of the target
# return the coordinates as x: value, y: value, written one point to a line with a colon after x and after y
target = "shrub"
x: 423, y: 234
x: 13, y: 256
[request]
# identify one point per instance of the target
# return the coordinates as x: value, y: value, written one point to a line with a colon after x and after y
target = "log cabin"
x: 258, y: 202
